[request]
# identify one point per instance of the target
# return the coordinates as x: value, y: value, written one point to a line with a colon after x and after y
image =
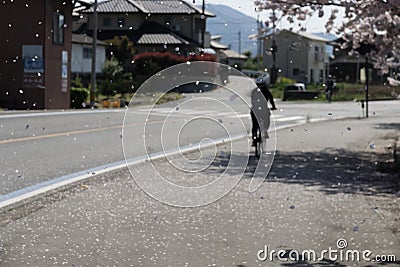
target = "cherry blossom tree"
x: 368, y: 23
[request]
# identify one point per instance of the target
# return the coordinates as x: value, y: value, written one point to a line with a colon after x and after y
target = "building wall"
x: 30, y: 23
x: 132, y: 21
x: 181, y: 23
x: 14, y: 32
x: 183, y: 49
x: 295, y: 57
x: 56, y: 96
x: 316, y: 62
x: 178, y: 23
x: 79, y: 64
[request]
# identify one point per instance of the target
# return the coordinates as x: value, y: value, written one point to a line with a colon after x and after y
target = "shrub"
x: 285, y: 81
x: 116, y: 80
x: 108, y: 88
x: 150, y: 67
x: 79, y: 97
x: 279, y: 86
x: 156, y: 60
x: 202, y: 57
x: 77, y: 82
x: 249, y: 65
x: 149, y: 63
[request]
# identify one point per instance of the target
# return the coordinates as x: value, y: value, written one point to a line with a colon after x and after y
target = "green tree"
x: 116, y: 79
x: 249, y: 65
x: 122, y: 49
x: 112, y: 69
x: 248, y: 54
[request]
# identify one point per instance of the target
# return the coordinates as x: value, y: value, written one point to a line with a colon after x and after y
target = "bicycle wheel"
x: 258, y: 144
x: 329, y: 96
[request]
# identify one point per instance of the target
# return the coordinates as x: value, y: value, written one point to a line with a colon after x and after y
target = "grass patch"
x: 348, y: 92
x: 345, y: 92
x: 168, y: 97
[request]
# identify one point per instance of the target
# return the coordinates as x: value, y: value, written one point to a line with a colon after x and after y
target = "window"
x: 87, y: 52
x: 311, y: 76
x: 107, y: 22
x: 316, y: 53
x: 121, y: 22
x: 58, y: 28
x: 295, y: 72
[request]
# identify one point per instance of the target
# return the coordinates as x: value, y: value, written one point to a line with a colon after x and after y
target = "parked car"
x: 298, y: 91
x: 253, y: 73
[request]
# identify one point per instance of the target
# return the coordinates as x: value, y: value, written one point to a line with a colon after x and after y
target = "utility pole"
x: 240, y: 42
x: 203, y: 31
x: 94, y: 46
x: 274, y: 73
x: 366, y: 85
x: 258, y: 40
x: 203, y: 18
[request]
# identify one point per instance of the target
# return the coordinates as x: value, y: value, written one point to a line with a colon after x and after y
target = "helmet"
x: 263, y: 80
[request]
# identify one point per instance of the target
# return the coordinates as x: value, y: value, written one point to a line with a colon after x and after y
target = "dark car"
x: 297, y: 91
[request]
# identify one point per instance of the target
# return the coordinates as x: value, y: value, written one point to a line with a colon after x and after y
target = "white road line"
x: 291, y: 118
x: 19, y: 197
x: 59, y: 113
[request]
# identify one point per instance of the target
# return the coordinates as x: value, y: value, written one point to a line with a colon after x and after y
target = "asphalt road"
x: 40, y: 146
x: 320, y: 195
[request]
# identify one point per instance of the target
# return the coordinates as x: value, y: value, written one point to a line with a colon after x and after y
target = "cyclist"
x: 260, y: 113
x: 330, y: 87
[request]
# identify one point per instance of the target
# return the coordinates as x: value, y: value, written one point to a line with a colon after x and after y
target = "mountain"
x: 228, y: 22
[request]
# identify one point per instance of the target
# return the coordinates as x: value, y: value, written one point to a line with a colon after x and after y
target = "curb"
x: 26, y: 195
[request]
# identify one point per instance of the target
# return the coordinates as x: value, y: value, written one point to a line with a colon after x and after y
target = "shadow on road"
x: 332, y: 171
x: 389, y: 126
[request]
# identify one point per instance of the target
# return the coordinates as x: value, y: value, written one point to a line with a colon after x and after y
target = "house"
x: 232, y: 58
x: 152, y: 25
x: 217, y: 46
x: 351, y: 68
x: 300, y: 56
x: 35, y: 54
x: 215, y: 43
x: 81, y: 55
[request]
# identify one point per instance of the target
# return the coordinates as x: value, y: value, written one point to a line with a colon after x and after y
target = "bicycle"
x: 258, y: 144
x: 328, y: 94
x: 259, y: 139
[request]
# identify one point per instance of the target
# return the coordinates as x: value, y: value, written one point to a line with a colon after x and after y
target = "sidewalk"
x: 323, y: 186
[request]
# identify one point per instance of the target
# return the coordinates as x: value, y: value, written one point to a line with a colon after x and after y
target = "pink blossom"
x: 373, y: 22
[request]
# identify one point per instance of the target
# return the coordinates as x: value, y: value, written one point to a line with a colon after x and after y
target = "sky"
x: 314, y: 24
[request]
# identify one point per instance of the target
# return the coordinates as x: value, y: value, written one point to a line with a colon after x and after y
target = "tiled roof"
x: 160, y: 38
x: 114, y: 6
x: 165, y: 6
x: 306, y: 35
x: 217, y: 45
x: 312, y: 36
x: 232, y: 54
x: 84, y: 39
x: 147, y: 6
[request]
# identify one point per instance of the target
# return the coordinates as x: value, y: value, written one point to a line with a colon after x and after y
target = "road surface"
x: 40, y: 146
